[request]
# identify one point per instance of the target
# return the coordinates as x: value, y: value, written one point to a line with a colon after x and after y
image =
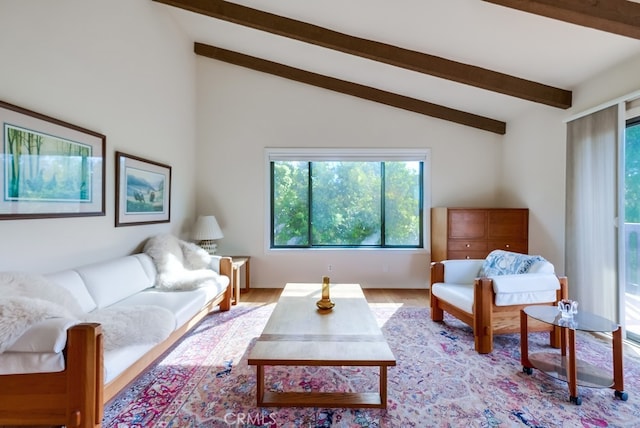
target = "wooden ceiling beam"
x: 620, y: 17
x: 389, y: 54
x: 353, y: 89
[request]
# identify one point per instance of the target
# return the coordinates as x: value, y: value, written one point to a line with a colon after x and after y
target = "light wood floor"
x: 419, y: 298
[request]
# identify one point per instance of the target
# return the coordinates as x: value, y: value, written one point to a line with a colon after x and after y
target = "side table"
x: 565, y: 366
x: 236, y: 264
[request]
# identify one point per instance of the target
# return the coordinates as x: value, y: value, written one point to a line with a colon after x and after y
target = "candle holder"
x: 325, y: 302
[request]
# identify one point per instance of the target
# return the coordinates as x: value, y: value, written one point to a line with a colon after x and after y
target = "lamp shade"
x: 207, y: 228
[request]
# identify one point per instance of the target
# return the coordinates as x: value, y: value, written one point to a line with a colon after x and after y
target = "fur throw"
x: 32, y: 285
x: 180, y: 265
x: 129, y: 325
x: 19, y: 313
x: 28, y: 299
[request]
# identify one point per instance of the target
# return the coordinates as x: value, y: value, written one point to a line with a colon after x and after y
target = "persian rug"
x: 439, y: 381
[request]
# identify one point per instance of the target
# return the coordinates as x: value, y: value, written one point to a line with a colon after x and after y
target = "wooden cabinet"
x: 472, y: 233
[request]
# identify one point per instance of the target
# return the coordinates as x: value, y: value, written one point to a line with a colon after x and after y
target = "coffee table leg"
x: 260, y: 384
x: 572, y: 369
x: 383, y: 386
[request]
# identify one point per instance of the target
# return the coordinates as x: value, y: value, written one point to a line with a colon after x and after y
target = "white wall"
x: 125, y: 69
x: 118, y: 67
x: 240, y: 112
x: 535, y: 157
x: 534, y: 177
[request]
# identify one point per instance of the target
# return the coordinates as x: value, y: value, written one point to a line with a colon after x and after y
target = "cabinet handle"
x: 467, y: 257
x: 507, y: 245
x: 467, y: 245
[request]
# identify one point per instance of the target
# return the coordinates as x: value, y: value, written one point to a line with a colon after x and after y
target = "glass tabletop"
x: 582, y: 321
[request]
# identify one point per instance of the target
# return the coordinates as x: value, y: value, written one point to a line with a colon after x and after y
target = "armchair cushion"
x: 500, y: 262
x: 524, y: 289
x: 463, y: 271
x: 459, y: 295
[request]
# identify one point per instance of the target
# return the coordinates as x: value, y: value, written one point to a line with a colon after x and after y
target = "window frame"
x: 349, y: 154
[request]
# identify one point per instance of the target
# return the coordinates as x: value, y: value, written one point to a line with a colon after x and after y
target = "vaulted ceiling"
x: 478, y: 63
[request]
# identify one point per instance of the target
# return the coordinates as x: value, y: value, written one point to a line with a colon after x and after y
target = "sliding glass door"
x: 632, y: 228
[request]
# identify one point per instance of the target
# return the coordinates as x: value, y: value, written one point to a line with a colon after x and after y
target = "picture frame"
x: 49, y: 168
x: 143, y: 191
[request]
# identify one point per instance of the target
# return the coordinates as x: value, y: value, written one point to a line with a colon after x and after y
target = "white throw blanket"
x: 26, y: 299
x: 180, y: 265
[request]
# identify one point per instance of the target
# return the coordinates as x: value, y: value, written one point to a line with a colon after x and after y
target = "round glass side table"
x: 564, y: 365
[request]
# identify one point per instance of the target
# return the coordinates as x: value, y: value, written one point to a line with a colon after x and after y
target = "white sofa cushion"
x: 148, y: 266
x: 114, y: 280
x: 31, y: 362
x: 183, y: 304
x: 118, y: 360
x: 71, y: 280
x: 49, y: 335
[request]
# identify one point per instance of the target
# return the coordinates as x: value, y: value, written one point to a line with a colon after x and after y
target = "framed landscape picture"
x: 50, y: 168
x: 143, y: 191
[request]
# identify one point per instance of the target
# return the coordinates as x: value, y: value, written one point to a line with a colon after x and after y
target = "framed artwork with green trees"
x: 50, y: 168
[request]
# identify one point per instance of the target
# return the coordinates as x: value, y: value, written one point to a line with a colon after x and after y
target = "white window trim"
x: 347, y: 154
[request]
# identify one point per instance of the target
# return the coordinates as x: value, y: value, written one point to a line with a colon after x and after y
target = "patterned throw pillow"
x: 500, y: 262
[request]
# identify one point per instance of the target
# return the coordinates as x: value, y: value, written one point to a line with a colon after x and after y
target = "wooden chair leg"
x: 483, y: 315
x: 437, y: 314
x: 554, y: 337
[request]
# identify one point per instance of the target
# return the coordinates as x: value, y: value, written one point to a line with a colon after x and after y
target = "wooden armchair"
x: 456, y: 289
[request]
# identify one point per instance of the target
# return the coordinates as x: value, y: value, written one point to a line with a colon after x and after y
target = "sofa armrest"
x: 85, y: 368
x: 226, y: 269
x: 225, y: 266
x: 221, y: 265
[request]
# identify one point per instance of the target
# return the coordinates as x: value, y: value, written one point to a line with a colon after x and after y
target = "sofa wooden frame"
x: 76, y: 396
x: 488, y: 319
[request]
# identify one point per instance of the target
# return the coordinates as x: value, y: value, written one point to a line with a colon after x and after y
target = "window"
x: 346, y: 198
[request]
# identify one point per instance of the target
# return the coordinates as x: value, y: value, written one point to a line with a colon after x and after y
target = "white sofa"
x: 488, y: 294
x: 62, y: 369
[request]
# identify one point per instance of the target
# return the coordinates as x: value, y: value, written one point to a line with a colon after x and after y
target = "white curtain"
x: 591, y: 236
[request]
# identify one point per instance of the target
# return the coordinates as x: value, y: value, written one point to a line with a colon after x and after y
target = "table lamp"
x: 206, y: 231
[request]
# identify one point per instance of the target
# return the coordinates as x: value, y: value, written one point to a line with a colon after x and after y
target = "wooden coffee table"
x: 299, y: 334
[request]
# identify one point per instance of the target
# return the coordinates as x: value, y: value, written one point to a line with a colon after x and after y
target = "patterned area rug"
x: 439, y: 381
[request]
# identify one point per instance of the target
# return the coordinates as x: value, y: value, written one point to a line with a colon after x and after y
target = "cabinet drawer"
x: 456, y: 255
x: 462, y: 245
x: 516, y: 246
